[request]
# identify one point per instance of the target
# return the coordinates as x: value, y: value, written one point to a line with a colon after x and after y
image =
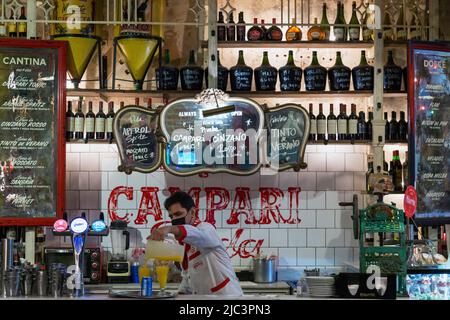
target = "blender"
x: 119, y: 266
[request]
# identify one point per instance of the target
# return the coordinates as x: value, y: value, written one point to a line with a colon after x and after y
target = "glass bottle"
x: 393, y: 127
x: 340, y: 32
x: 167, y: 75
x: 191, y: 75
x: 400, y: 29
x: 405, y: 172
x: 312, y: 124
x: 324, y: 24
x: 221, y: 29
x: 290, y: 75
x: 265, y: 75
x: 255, y: 33
x: 231, y: 28
x: 362, y: 126
x: 274, y: 33
x: 240, y: 29
x: 70, y: 122
x: 222, y: 75
x: 352, y: 124
x: 402, y: 127
x: 386, y: 127
x: 367, y: 33
x: 393, y: 74
x: 388, y: 30
x: 12, y: 26
x: 22, y: 25
x: 342, y: 123
x: 369, y: 126
x: 79, y: 121
x: 3, y: 32
x: 294, y: 33
x: 385, y: 164
x: 405, y: 78
x: 90, y: 123
x: 354, y: 29
x: 331, y: 125
x: 316, y: 32
x: 315, y: 75
x: 321, y: 124
x: 264, y: 29
x: 363, y: 74
x: 339, y: 75
x: 100, y: 118
x: 109, y: 122
x: 397, y: 171
x: 370, y: 171
x: 241, y: 75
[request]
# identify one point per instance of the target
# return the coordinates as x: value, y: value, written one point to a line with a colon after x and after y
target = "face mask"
x: 179, y: 221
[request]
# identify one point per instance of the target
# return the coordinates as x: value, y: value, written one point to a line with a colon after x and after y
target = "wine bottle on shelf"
x: 400, y: 29
x: 79, y: 121
x: 369, y: 127
x: 393, y: 74
x: 264, y: 29
x: 388, y: 30
x: 352, y: 124
x: 274, y: 33
x: 339, y: 75
x: 222, y: 75
x: 402, y: 127
x: 367, y: 33
x: 110, y: 121
x: 265, y: 75
x: 241, y: 75
x: 324, y: 24
x: 386, y: 127
x: 100, y: 123
x: 331, y: 125
x: 315, y: 75
x: 312, y: 124
x: 397, y: 172
x: 191, y: 75
x: 290, y: 75
x: 240, y: 29
x: 294, y: 33
x: 340, y: 32
x: 362, y: 126
x: 231, y: 28
x: 90, y: 123
x: 385, y: 164
x: 321, y: 124
x: 354, y: 29
x: 70, y: 122
x: 370, y: 171
x: 12, y: 26
x: 22, y: 25
x: 149, y: 103
x: 255, y: 33
x: 315, y: 32
x: 363, y: 74
x: 405, y: 172
x: 167, y: 75
x: 405, y: 78
x: 221, y: 29
x: 342, y: 123
x: 393, y: 127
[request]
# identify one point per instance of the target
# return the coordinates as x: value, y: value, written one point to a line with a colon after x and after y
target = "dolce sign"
x: 435, y: 64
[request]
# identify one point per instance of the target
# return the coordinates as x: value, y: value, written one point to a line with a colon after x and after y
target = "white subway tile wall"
x: 322, y: 237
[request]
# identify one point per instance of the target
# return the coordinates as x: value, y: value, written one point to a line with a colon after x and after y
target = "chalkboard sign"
x: 429, y: 140
x: 135, y: 129
x: 289, y: 130
x: 32, y: 119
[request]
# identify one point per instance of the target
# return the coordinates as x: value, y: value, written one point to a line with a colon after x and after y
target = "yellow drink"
x: 144, y: 271
x: 171, y: 258
x: 162, y: 273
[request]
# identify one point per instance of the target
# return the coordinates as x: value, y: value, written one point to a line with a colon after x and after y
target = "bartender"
x: 207, y: 268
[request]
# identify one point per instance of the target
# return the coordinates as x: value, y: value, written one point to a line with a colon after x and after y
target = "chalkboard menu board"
x: 429, y: 143
x: 135, y: 130
x: 32, y: 152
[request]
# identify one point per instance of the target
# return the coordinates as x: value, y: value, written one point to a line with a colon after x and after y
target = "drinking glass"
x: 162, y: 272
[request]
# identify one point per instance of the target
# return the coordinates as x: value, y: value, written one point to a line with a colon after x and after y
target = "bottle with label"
x: 90, y: 123
x: 324, y: 24
x: 191, y: 75
x: 393, y: 74
x: 331, y: 125
x: 369, y: 126
x: 312, y: 124
x: 79, y: 121
x: 405, y: 172
x: 294, y: 33
x: 316, y: 32
x: 264, y: 29
x: 342, y: 123
x: 400, y: 29
x: 397, y: 172
x: 370, y: 171
x: 255, y: 33
x: 12, y: 26
x: 221, y: 29
x: 290, y: 75
x: 70, y: 122
x: 241, y: 75
x: 388, y: 30
x: 339, y: 75
x: 22, y: 25
x: 167, y: 75
x: 352, y: 124
x: 321, y: 124
x: 240, y: 29
x: 415, y: 31
x: 222, y: 75
x: 393, y: 127
x: 100, y: 123
x: 231, y: 28
x: 362, y: 126
x: 315, y: 75
x: 109, y: 121
x: 367, y: 33
x: 354, y: 29
x: 265, y: 75
x: 363, y: 74
x: 274, y: 33
x: 402, y: 127
x: 340, y: 32
x: 386, y: 127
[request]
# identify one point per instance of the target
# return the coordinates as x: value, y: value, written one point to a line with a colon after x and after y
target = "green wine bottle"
x: 324, y: 24
x: 340, y: 32
x: 354, y: 29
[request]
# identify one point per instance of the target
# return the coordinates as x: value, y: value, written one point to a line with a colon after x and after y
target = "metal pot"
x: 265, y: 270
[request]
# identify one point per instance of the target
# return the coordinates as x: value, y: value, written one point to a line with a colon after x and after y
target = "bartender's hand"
x: 160, y: 233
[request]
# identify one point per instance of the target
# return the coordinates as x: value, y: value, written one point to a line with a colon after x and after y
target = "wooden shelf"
x: 80, y: 141
x: 297, y: 44
x: 395, y: 94
x: 341, y: 142
x: 396, y: 44
x: 397, y: 142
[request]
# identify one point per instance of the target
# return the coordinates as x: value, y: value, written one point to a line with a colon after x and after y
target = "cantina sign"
x: 212, y: 133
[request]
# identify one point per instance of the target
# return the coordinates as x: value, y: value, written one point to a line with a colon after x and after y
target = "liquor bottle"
x: 221, y: 29
x: 369, y: 126
x: 265, y: 75
x: 22, y: 25
x: 388, y: 30
x: 167, y: 75
x: 315, y: 75
x: 136, y: 102
x: 397, y: 171
x: 393, y: 127
x: 405, y: 172
x: 264, y: 29
x: 12, y: 26
x: 290, y: 75
x: 402, y: 127
x: 90, y: 123
x: 149, y: 103
x: 405, y: 78
x: 363, y: 74
x: 122, y: 105
x: 321, y: 124
x: 370, y: 171
x: 339, y: 75
x: 274, y: 33
x: 386, y: 127
x: 316, y: 32
x: 324, y: 24
x: 100, y: 123
x: 342, y: 123
x: 354, y: 29
x: 362, y: 126
x: 110, y: 121
x: 352, y: 124
x: 415, y: 32
x: 331, y: 124
x: 400, y: 29
x: 393, y: 74
x: 340, y: 32
x: 294, y: 33
x: 367, y: 33
x: 191, y: 75
x: 79, y: 121
x: 222, y: 75
x: 231, y: 28
x: 240, y: 29
x: 70, y: 122
x: 385, y: 164
x: 312, y: 124
x: 241, y: 75
x: 255, y: 33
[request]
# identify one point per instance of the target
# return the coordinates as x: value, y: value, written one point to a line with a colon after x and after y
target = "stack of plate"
x: 321, y: 286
